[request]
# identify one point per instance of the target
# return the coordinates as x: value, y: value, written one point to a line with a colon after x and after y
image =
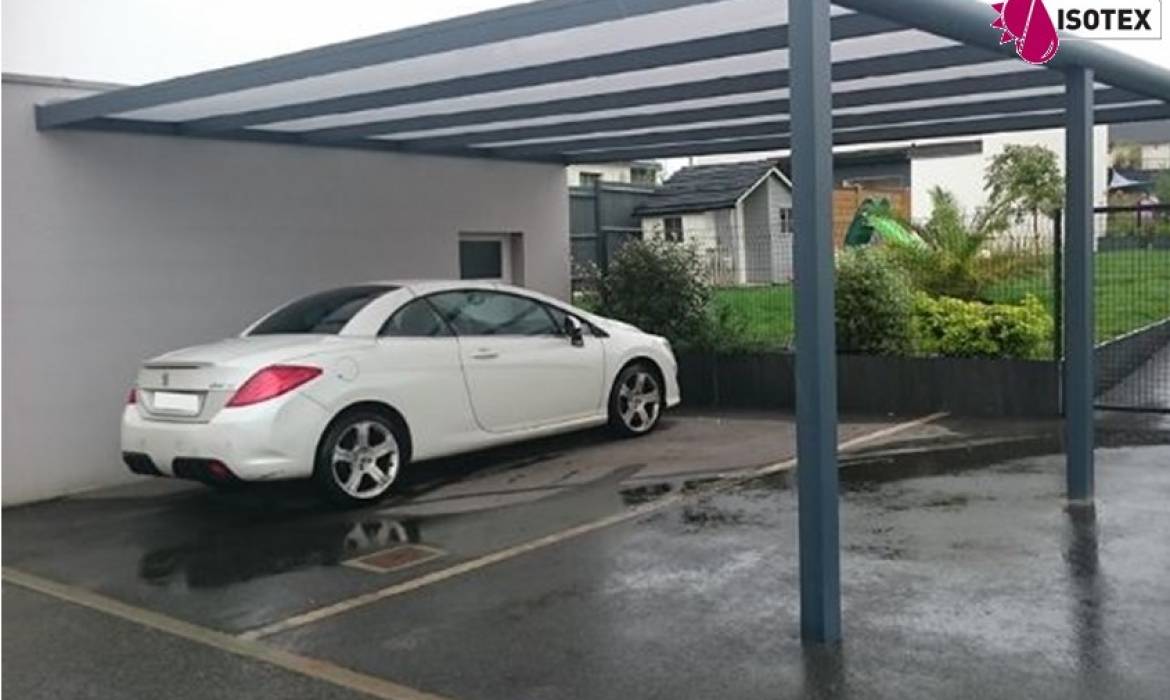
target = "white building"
x: 639, y: 172
x: 738, y: 215
x: 118, y: 247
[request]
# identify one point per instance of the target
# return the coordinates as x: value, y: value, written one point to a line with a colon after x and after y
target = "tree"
x: 1126, y: 155
x: 1024, y: 180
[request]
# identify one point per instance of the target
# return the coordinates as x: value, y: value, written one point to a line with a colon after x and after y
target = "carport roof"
x: 578, y: 81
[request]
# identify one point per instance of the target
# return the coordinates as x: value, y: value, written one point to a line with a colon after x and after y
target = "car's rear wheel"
x: 636, y: 400
x: 359, y: 458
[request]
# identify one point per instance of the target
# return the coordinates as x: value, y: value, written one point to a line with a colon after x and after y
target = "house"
x: 955, y: 165
x: 1141, y: 146
x: 639, y: 172
x: 738, y: 214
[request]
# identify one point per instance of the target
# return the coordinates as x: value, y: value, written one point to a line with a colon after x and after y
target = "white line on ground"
x: 303, y: 665
x: 349, y: 604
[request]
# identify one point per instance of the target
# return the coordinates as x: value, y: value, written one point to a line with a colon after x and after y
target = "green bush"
x: 951, y: 327
x: 661, y: 287
x: 875, y: 304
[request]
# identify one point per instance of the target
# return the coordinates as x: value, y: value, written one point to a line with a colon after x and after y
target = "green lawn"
x: 1132, y: 291
x: 767, y: 312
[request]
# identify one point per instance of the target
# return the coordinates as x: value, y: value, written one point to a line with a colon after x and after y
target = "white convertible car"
x: 350, y: 385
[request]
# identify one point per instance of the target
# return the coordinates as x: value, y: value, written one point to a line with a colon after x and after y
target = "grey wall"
x: 893, y: 169
x: 761, y: 215
x: 119, y: 247
x: 618, y: 201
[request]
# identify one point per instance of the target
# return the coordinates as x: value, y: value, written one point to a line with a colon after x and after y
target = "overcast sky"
x: 136, y: 41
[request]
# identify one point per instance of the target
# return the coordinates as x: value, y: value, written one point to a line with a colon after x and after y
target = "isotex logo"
x: 1037, y: 27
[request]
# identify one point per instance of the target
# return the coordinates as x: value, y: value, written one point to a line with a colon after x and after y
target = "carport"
x: 580, y: 81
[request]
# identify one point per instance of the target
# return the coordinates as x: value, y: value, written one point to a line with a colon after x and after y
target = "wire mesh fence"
x: 1132, y: 306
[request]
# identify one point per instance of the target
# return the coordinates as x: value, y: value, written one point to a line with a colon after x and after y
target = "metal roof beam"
x: 678, y: 145
x: 150, y: 128
x: 775, y: 107
x: 897, y: 118
x: 969, y: 22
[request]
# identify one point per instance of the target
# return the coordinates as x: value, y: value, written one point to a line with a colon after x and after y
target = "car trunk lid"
x: 195, y: 384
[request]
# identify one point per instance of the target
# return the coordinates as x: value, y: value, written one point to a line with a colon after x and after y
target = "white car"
x: 350, y: 385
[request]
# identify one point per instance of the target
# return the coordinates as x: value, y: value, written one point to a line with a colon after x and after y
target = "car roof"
x: 430, y: 286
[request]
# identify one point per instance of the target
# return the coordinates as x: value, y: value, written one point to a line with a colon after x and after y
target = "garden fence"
x: 1132, y: 309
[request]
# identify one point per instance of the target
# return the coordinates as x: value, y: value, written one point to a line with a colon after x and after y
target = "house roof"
x: 581, y: 81
x: 705, y: 188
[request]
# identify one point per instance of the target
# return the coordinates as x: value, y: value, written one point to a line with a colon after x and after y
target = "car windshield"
x: 325, y: 313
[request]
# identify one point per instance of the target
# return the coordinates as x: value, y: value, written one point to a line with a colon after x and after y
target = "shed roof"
x: 577, y: 81
x: 705, y: 188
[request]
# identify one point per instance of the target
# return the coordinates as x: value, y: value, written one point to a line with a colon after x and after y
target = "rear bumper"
x: 269, y: 441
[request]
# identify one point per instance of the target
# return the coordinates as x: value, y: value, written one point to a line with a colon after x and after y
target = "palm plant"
x: 958, y: 260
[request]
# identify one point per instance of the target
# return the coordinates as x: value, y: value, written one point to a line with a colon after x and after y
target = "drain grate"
x: 395, y: 558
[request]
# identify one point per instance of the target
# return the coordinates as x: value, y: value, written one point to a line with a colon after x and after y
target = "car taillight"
x: 271, y: 382
x: 133, y: 398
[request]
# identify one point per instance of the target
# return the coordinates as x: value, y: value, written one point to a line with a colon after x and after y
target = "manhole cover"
x: 395, y: 558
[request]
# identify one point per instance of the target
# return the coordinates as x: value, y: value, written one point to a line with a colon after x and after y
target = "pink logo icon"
x: 1027, y: 23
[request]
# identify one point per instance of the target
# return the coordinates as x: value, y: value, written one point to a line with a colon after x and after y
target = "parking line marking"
x: 302, y: 665
x: 312, y: 616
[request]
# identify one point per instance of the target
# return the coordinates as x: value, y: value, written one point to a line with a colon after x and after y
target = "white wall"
x: 609, y: 172
x: 119, y: 247
x: 1155, y: 156
x: 963, y: 175
x: 698, y: 229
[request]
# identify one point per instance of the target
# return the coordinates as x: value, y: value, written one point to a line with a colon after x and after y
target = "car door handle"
x: 485, y: 355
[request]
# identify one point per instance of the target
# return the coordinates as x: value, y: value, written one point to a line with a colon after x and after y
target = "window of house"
x: 672, y: 229
x: 481, y: 260
x: 785, y: 219
x: 589, y: 179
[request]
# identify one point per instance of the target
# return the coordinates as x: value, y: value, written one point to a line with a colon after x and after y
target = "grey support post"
x: 1079, y: 243
x: 816, y: 352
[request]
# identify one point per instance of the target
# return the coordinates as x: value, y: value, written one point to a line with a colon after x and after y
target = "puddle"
x: 865, y: 473
x: 240, y: 552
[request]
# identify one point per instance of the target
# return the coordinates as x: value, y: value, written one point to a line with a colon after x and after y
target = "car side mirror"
x: 574, y: 330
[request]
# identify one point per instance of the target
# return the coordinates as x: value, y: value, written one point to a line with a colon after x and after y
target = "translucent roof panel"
x: 594, y: 80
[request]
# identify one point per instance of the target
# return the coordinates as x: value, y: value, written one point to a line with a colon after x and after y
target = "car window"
x: 476, y: 312
x: 559, y: 319
x: 418, y: 319
x: 323, y: 313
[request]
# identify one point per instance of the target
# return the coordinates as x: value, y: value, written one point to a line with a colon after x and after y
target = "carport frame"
x: 808, y: 36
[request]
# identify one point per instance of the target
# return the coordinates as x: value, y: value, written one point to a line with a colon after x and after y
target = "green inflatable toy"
x: 874, y: 223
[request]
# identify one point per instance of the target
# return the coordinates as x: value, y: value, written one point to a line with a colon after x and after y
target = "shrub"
x: 661, y: 287
x: 875, y: 305
x: 951, y: 327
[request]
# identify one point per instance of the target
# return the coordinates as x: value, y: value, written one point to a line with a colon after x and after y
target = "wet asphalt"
x: 965, y: 575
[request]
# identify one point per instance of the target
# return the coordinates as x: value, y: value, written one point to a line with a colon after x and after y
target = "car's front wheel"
x: 636, y: 400
x: 359, y: 458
